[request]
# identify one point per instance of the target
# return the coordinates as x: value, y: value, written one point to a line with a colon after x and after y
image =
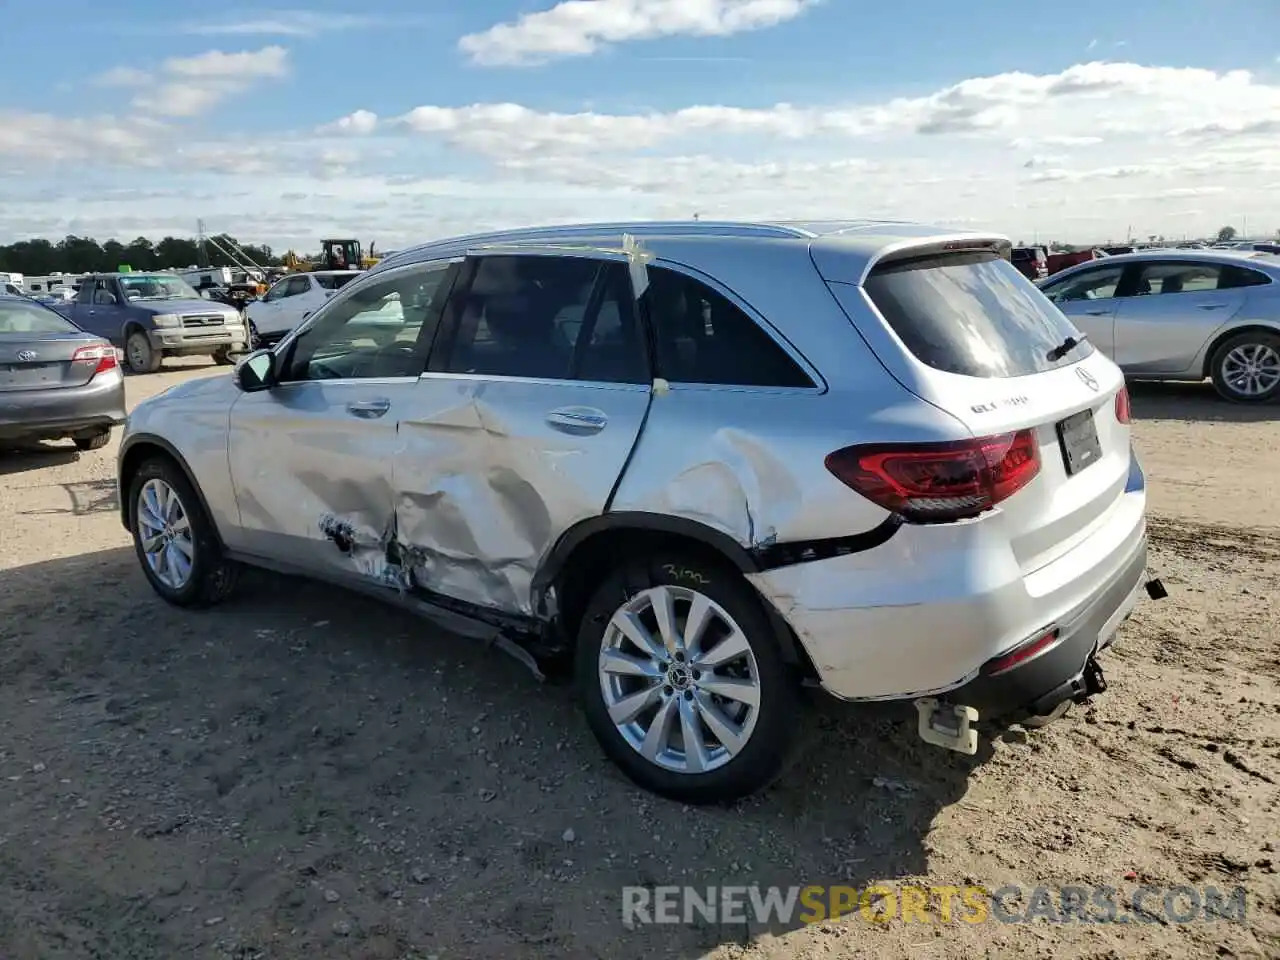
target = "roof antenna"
x: 696, y: 215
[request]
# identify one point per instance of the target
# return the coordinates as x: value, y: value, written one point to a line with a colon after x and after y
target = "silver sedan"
x: 1181, y: 315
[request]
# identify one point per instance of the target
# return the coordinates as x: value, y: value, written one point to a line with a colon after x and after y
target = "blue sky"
x: 1071, y: 121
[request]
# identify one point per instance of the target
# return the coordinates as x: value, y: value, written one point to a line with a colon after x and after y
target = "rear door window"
x: 972, y: 314
x: 335, y: 281
x: 703, y: 338
x: 1185, y: 276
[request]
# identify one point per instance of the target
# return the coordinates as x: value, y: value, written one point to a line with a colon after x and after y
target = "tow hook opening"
x: 948, y: 725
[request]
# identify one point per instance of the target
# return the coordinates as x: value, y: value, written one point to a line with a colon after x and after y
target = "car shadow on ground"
x: 1178, y: 400
x: 15, y: 459
x: 304, y: 759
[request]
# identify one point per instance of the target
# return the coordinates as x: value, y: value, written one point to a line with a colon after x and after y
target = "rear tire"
x: 1246, y: 369
x: 139, y: 355
x: 95, y: 442
x: 743, y: 746
x: 198, y: 574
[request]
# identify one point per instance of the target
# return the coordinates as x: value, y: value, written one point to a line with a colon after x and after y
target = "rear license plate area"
x: 26, y: 375
x: 1078, y: 438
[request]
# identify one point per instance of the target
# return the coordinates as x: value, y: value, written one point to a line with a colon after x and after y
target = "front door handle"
x: 577, y: 420
x: 1212, y: 306
x: 368, y: 409
x: 1096, y: 313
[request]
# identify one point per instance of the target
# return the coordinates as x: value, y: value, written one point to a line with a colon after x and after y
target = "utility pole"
x: 203, y: 256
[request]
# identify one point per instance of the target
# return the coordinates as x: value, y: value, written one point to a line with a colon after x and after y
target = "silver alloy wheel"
x: 679, y: 679
x: 165, y: 532
x: 1251, y: 369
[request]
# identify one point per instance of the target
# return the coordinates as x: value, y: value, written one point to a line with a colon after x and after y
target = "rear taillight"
x: 1123, y: 413
x: 938, y: 482
x: 102, y: 356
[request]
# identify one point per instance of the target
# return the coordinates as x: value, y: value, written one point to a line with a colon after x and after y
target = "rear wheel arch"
x: 1211, y: 353
x: 591, y: 551
x: 136, y: 451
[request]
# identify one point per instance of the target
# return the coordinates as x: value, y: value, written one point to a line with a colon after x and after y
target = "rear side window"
x: 1233, y: 277
x: 702, y: 337
x: 335, y: 282
x: 22, y: 318
x: 972, y: 314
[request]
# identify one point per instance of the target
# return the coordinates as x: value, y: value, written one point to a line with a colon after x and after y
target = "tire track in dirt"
x: 1193, y: 540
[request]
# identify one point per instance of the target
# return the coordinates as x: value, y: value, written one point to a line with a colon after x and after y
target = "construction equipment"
x: 345, y: 254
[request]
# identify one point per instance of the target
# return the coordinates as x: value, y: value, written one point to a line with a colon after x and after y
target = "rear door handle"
x: 368, y: 409
x: 1096, y: 313
x: 1212, y: 306
x: 577, y: 420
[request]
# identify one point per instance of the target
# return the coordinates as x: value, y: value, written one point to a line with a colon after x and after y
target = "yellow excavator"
x: 342, y: 254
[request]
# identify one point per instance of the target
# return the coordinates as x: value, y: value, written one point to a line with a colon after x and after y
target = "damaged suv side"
x: 698, y: 464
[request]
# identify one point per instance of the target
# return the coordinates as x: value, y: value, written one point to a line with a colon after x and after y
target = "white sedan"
x: 290, y: 301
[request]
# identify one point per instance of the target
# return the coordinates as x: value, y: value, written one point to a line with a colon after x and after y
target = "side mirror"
x: 257, y: 371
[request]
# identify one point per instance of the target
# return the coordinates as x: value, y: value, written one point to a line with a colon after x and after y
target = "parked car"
x: 155, y: 315
x: 866, y: 457
x: 290, y: 300
x: 1032, y: 262
x: 56, y: 380
x: 1060, y: 261
x: 1182, y: 315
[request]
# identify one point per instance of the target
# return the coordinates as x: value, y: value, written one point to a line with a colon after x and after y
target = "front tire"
x: 222, y: 357
x: 683, y: 682
x: 1246, y: 369
x: 139, y: 355
x: 174, y: 539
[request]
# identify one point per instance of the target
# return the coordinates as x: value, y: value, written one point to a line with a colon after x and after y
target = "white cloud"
x: 268, y: 62
x: 189, y: 86
x: 360, y: 122
x: 282, y: 23
x: 1056, y: 154
x: 576, y: 28
x: 124, y: 77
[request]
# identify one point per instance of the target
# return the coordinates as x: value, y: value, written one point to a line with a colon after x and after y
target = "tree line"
x: 35, y: 258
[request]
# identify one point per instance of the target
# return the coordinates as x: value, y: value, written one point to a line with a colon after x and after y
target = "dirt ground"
x: 302, y: 773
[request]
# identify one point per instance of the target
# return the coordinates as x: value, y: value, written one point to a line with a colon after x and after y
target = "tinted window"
x: 381, y: 330
x: 558, y: 318
x: 702, y: 337
x: 28, y: 318
x: 1233, y: 277
x: 295, y: 286
x: 334, y: 282
x: 1190, y: 277
x: 971, y: 314
x: 1096, y: 284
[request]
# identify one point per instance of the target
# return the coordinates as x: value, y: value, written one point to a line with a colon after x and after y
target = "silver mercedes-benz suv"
x: 701, y: 465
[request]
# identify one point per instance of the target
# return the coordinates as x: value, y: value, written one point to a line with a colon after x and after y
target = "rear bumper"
x: 925, y: 613
x: 61, y: 412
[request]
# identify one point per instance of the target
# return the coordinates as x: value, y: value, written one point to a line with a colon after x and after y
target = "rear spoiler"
x: 915, y: 250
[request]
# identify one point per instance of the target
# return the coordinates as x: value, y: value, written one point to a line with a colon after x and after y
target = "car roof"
x: 325, y: 273
x: 863, y: 238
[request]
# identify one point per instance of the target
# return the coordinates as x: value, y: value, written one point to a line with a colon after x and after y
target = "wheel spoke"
x: 695, y: 750
x: 184, y: 547
x: 659, y: 733
x: 182, y: 524
x: 629, y: 707
x: 629, y: 625
x: 727, y: 650
x: 623, y: 664
x: 743, y: 691
x: 152, y: 543
x: 695, y: 624
x: 665, y: 613
x: 720, y: 726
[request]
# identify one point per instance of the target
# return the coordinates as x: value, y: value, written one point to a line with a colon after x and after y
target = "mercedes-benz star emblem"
x: 26, y: 356
x: 1087, y: 378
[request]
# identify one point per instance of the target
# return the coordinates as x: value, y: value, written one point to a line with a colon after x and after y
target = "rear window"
x: 28, y: 318
x: 973, y: 314
x: 335, y: 282
x: 1025, y: 254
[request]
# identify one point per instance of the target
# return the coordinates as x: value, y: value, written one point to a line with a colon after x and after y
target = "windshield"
x: 153, y: 286
x: 29, y: 318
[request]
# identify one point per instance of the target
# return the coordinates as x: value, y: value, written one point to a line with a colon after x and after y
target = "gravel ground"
x: 303, y: 773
